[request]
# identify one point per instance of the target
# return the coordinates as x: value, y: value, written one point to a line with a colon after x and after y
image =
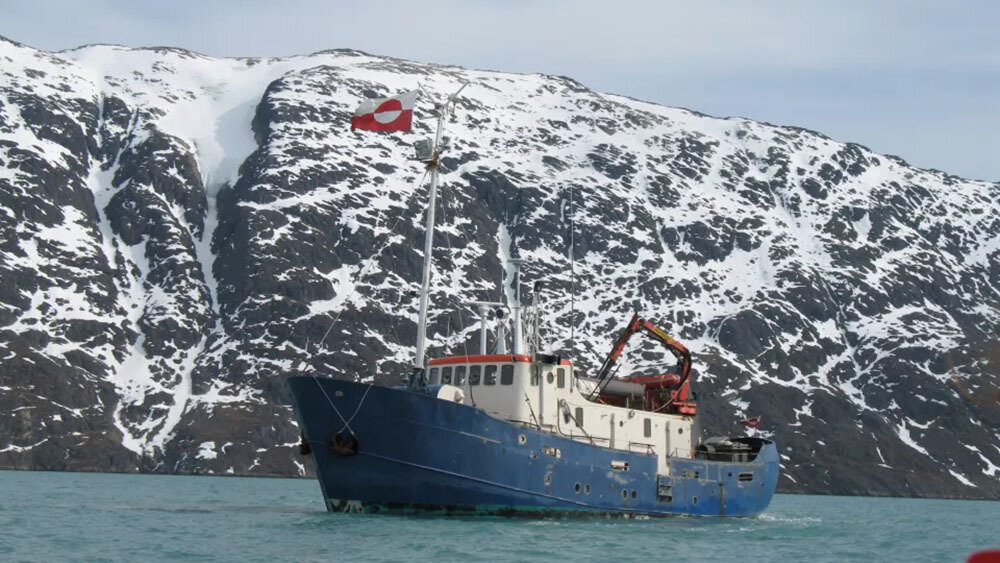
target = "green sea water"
x: 88, y: 517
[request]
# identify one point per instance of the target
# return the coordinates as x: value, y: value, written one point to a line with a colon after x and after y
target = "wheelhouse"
x: 545, y: 392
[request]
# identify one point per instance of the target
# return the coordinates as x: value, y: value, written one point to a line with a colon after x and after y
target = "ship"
x: 516, y: 431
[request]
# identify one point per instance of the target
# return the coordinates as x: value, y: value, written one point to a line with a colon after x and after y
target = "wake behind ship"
x: 521, y: 432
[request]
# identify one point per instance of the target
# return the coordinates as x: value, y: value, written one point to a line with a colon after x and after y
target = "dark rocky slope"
x: 179, y: 232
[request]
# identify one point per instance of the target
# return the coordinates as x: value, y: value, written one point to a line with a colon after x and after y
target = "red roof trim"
x: 481, y: 359
x: 486, y: 359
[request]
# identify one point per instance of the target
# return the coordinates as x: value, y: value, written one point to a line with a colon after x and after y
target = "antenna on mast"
x: 572, y: 269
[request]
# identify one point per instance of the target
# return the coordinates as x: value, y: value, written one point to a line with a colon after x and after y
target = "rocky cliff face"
x: 180, y: 233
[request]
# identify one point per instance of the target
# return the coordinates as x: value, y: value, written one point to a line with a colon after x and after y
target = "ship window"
x: 460, y: 375
x: 534, y: 376
x: 548, y: 377
x: 506, y: 374
x: 474, y: 372
x: 579, y: 417
x: 561, y: 378
x: 446, y: 375
x: 647, y: 428
x: 746, y: 477
x: 433, y: 377
x: 490, y: 375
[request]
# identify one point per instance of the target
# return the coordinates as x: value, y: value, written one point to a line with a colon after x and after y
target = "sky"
x: 917, y: 79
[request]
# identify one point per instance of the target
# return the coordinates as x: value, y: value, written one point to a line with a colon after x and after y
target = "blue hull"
x: 419, y: 454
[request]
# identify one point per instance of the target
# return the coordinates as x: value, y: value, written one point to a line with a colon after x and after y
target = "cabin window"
x: 446, y: 375
x: 549, y: 377
x: 560, y: 378
x: 459, y: 375
x: 490, y: 375
x: 474, y: 372
x: 433, y: 377
x: 647, y: 428
x: 579, y: 416
x: 506, y: 374
x: 534, y: 376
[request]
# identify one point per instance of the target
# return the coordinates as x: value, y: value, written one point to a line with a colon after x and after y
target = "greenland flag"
x: 386, y: 114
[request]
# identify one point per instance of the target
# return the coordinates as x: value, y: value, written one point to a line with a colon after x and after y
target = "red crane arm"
x: 679, y: 351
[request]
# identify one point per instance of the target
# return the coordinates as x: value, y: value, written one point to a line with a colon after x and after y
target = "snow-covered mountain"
x: 180, y: 231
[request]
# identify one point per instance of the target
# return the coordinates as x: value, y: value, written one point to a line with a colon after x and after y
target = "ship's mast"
x: 434, y: 168
x: 517, y: 308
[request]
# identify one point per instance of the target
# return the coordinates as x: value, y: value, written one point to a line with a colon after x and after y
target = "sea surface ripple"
x: 88, y: 517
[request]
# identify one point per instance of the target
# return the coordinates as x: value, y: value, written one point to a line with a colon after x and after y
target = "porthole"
x: 549, y: 377
x: 694, y: 500
x: 548, y: 478
x: 635, y: 493
x: 522, y: 439
x: 576, y: 487
x: 586, y: 488
x: 680, y: 430
x: 624, y: 493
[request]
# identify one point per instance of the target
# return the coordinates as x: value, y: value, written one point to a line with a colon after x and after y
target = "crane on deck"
x: 669, y: 391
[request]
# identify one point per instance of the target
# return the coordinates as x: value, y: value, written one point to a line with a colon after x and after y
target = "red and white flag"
x: 386, y: 114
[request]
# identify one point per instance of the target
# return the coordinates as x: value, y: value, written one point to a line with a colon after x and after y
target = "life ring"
x: 344, y: 444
